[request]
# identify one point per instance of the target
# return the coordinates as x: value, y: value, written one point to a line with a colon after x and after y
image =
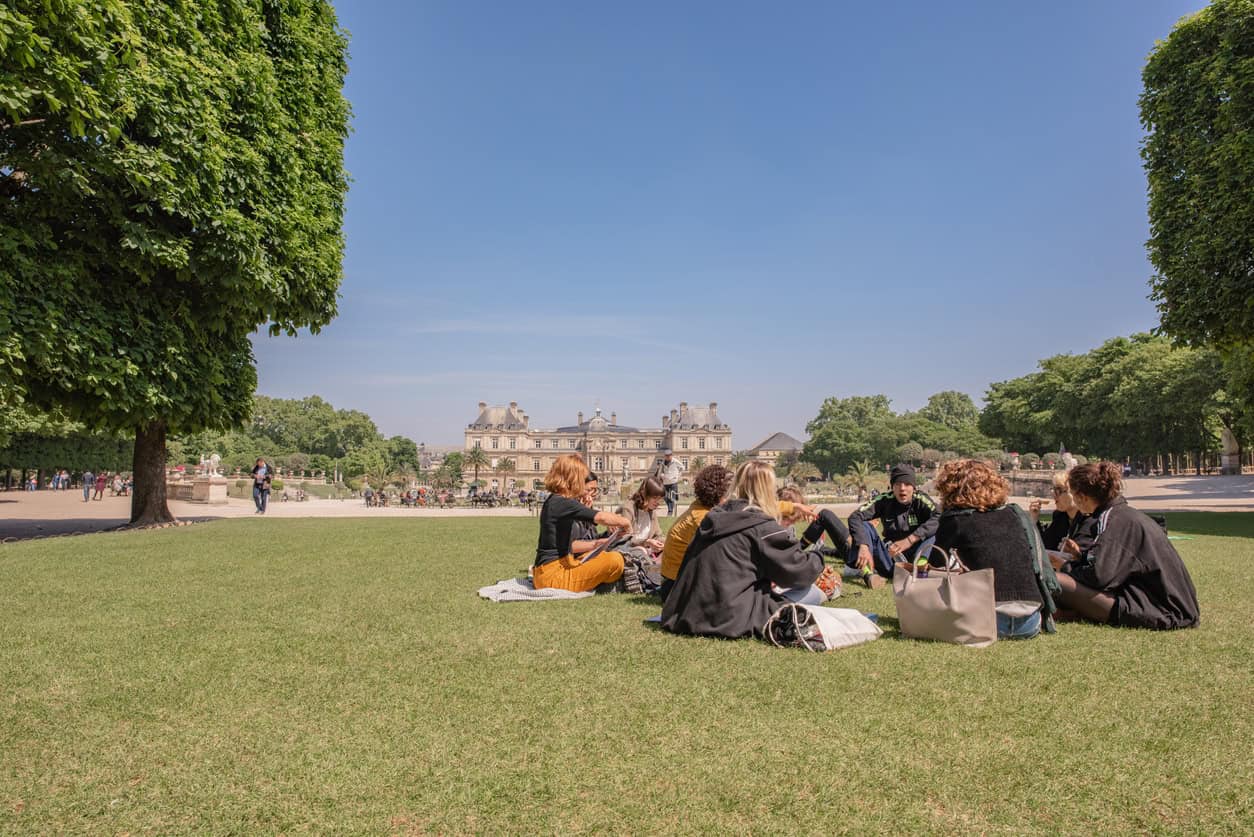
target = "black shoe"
x: 631, y: 579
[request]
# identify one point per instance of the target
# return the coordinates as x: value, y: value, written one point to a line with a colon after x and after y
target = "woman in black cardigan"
x: 986, y: 533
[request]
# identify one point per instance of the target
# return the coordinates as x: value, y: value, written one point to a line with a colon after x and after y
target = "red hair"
x: 566, y: 476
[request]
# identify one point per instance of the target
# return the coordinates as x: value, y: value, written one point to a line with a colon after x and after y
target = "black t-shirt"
x: 557, y: 516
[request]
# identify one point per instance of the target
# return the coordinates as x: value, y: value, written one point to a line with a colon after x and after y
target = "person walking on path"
x: 101, y: 480
x: 263, y: 477
x: 89, y: 480
x: 667, y: 472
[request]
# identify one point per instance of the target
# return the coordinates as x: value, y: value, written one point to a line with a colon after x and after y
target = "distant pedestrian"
x: 89, y: 480
x: 32, y: 483
x: 262, y: 478
x: 667, y: 472
x: 102, y: 480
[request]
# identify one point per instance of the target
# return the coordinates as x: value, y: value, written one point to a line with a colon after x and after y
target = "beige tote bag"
x: 946, y: 606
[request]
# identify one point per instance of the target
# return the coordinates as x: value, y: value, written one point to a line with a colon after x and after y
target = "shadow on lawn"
x: 1219, y: 524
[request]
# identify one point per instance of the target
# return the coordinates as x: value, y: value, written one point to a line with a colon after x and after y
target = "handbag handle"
x: 948, y: 569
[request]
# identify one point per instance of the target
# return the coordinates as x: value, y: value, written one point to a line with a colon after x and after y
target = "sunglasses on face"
x: 1059, y: 491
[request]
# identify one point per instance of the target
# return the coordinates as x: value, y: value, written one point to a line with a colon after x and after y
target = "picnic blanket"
x: 521, y: 590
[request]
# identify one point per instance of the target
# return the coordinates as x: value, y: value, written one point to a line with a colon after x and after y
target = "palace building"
x: 613, y: 451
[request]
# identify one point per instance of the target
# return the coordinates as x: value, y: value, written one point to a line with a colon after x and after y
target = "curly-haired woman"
x: 988, y: 534
x: 555, y: 566
x: 1132, y: 575
x: 710, y: 486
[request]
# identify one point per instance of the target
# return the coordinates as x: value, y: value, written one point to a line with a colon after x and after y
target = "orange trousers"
x: 568, y: 574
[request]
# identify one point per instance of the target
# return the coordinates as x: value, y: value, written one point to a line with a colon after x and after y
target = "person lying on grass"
x: 742, y: 565
x: 710, y: 486
x: 793, y: 510
x: 555, y: 565
x: 1131, y: 576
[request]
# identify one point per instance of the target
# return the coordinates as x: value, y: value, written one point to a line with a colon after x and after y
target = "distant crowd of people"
x: 733, y: 558
x: 94, y: 484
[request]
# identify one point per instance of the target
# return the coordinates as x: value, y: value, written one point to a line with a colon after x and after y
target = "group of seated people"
x: 733, y: 558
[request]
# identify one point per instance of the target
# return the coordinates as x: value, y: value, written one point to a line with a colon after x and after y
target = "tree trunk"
x: 148, y: 505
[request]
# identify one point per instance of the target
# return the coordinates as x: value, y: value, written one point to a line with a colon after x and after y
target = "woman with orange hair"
x: 555, y: 566
x: 987, y: 533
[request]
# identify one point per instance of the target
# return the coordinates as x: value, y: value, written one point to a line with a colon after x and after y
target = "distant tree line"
x: 305, y: 434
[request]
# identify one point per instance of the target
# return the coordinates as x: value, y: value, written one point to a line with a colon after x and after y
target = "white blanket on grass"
x: 522, y: 590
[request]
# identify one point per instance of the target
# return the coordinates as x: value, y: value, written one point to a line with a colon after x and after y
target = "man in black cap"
x: 909, y: 519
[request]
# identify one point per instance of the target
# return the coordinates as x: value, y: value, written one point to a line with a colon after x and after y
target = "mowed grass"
x: 296, y: 676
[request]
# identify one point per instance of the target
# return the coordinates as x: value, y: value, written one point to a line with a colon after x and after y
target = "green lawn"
x: 342, y: 676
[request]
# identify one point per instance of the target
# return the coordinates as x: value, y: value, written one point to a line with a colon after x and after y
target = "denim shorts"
x: 1018, y: 627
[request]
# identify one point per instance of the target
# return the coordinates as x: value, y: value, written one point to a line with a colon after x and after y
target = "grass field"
x: 264, y: 676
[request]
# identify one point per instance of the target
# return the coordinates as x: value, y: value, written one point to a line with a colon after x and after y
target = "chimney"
x: 665, y: 421
x: 525, y: 420
x: 513, y: 405
x: 483, y: 405
x: 713, y: 406
x: 683, y: 405
x: 674, y: 416
x: 613, y: 418
x: 579, y: 417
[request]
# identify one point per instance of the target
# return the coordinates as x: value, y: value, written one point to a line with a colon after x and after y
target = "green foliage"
x: 865, y: 428
x: 172, y: 179
x: 952, y: 409
x: 475, y: 458
x: 911, y: 452
x: 1198, y: 110
x: 1132, y: 396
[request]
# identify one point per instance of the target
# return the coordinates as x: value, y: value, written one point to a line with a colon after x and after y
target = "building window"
x: 684, y: 463
x: 701, y: 443
x: 513, y: 443
x: 495, y: 443
x: 657, y: 444
x: 718, y: 443
x: 640, y: 444
x: 535, y: 464
x: 555, y: 444
x: 598, y: 464
x: 572, y: 444
x: 622, y: 443
x: 683, y: 445
x: 538, y: 444
x: 718, y: 460
x: 624, y: 461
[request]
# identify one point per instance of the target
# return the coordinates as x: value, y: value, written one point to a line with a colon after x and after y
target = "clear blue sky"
x: 759, y: 204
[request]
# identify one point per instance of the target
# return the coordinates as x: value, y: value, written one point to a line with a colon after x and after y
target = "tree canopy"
x: 1130, y: 397
x: 172, y: 179
x: 865, y: 429
x: 1198, y: 109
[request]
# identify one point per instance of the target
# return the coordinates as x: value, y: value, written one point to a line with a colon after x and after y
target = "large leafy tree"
x: 1135, y: 396
x: 1198, y: 110
x: 171, y: 178
x: 952, y: 409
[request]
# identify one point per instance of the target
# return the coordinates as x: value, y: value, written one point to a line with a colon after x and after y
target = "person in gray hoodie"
x: 742, y: 566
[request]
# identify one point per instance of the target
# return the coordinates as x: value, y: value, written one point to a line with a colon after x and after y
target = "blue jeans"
x: 671, y: 493
x: 811, y: 595
x: 261, y: 496
x: 882, y: 561
x: 1018, y: 627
